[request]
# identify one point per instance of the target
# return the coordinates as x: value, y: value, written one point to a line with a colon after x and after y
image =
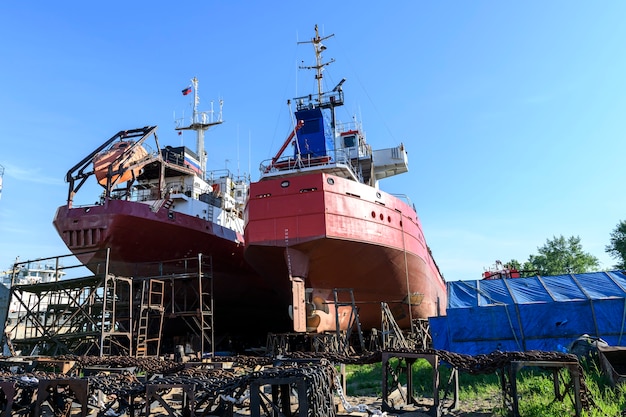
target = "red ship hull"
x: 138, y: 238
x: 136, y: 234
x: 346, y: 235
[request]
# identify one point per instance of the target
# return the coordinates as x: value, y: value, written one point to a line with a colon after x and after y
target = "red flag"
x: 187, y: 91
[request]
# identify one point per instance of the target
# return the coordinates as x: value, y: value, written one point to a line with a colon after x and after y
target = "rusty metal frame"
x: 93, y: 315
x: 190, y: 295
x: 68, y: 316
x: 406, y: 360
x: 279, y: 403
x: 61, y: 393
x: 508, y: 382
x: 154, y: 392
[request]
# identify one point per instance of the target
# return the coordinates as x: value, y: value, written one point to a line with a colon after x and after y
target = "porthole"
x: 400, y: 223
x: 331, y: 181
x: 381, y: 216
x: 284, y: 184
x: 378, y: 195
x: 389, y: 219
x: 373, y: 215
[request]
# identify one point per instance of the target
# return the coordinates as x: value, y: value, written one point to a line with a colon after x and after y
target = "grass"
x: 535, y: 389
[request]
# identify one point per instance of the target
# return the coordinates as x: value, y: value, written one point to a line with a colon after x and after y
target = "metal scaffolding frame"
x: 107, y: 315
x: 71, y: 316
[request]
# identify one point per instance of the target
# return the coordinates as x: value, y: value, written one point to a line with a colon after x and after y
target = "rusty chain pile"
x: 335, y: 357
x: 149, y: 365
x: 114, y: 389
x: 217, y: 389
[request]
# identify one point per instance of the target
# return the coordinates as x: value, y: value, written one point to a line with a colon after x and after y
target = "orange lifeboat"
x: 121, y: 154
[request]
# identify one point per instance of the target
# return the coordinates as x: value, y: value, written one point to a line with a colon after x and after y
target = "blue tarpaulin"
x: 536, y: 313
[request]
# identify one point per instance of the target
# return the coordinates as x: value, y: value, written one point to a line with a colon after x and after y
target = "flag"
x: 187, y: 91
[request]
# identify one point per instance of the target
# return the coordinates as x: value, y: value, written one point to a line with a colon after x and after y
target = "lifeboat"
x: 120, y: 156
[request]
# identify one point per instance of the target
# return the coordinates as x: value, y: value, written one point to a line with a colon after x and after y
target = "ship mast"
x: 201, y: 122
x: 319, y: 65
x: 328, y: 100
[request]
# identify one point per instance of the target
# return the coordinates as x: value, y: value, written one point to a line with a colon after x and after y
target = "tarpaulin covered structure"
x: 536, y: 313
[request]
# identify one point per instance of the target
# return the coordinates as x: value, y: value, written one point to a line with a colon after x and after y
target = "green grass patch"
x: 535, y: 389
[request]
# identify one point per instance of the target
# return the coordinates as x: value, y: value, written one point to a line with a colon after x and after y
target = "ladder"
x: 151, y: 311
x: 200, y: 310
x: 205, y: 317
x: 164, y: 202
x: 353, y: 320
x: 117, y: 319
x: 108, y: 312
x: 209, y: 213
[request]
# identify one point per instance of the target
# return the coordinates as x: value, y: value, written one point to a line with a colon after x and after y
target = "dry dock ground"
x: 372, y: 406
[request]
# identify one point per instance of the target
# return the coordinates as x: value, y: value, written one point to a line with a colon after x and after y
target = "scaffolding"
x: 187, y: 303
x: 68, y: 316
x: 108, y: 315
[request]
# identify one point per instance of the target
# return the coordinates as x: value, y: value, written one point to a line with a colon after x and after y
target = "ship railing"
x: 351, y: 126
x: 152, y: 193
x: 120, y: 193
x: 173, y: 157
x: 238, y: 185
x: 327, y: 100
x: 345, y: 158
x: 214, y: 175
x: 406, y: 199
x: 145, y: 194
x: 334, y: 158
x: 176, y: 187
x: 203, y: 117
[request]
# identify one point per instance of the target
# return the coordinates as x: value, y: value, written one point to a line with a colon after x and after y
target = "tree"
x: 526, y: 269
x: 617, y: 247
x: 563, y: 256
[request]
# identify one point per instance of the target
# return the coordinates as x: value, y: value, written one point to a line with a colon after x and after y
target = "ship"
x: 24, y: 273
x: 31, y: 272
x: 501, y: 270
x: 161, y: 204
x: 326, y: 236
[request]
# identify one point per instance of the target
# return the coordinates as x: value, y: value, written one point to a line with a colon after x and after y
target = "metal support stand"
x: 420, y: 336
x: 509, y: 388
x: 154, y: 393
x: 353, y: 320
x: 8, y: 392
x: 409, y: 359
x: 60, y: 394
x: 392, y: 337
x: 280, y: 401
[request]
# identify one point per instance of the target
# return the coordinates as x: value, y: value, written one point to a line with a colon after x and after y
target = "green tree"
x: 526, y: 269
x: 563, y: 256
x: 617, y: 247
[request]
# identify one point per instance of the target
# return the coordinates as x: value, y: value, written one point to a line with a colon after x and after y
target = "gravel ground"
x: 482, y: 408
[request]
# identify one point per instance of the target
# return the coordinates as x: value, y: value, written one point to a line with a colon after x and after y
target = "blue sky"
x: 513, y: 113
